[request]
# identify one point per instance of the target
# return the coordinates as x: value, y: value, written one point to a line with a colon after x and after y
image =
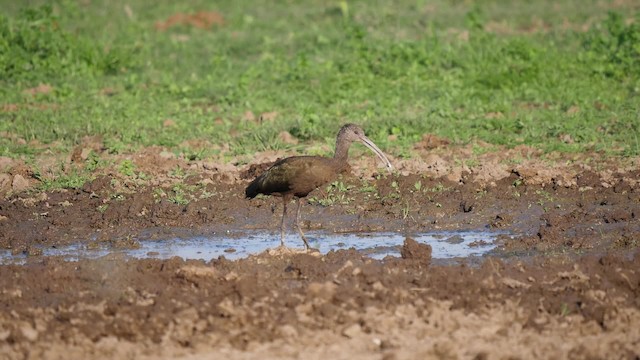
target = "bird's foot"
x: 308, y: 247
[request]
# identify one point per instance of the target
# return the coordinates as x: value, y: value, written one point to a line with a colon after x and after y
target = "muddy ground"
x: 564, y: 284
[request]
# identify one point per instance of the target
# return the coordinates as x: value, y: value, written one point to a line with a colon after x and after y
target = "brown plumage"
x: 297, y: 176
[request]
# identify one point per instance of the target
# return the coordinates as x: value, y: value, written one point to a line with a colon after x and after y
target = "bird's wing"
x: 277, y: 179
x: 301, y: 174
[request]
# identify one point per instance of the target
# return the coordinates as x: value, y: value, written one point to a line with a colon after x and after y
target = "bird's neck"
x: 342, y: 151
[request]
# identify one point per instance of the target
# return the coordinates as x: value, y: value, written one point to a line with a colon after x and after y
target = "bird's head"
x: 352, y: 132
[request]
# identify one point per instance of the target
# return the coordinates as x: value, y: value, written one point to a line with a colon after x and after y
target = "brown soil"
x: 564, y: 284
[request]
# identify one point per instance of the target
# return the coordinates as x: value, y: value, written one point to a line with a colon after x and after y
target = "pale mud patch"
x: 430, y: 329
x: 460, y: 164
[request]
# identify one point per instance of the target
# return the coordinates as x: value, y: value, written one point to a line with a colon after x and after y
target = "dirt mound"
x: 413, y: 250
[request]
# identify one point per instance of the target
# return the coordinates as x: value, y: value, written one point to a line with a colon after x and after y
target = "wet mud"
x: 564, y: 282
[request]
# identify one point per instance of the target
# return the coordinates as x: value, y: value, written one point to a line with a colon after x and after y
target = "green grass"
x: 504, y: 72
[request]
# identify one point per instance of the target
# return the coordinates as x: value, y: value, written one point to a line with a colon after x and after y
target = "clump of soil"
x: 413, y: 250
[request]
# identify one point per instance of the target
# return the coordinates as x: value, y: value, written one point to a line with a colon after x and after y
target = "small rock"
x: 19, y: 183
x: 29, y: 332
x: 84, y: 154
x: 352, y: 331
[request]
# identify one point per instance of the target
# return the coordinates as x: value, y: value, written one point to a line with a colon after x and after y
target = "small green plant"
x: 480, y: 193
x: 418, y: 185
x: 472, y: 162
x: 335, y: 194
x: 159, y: 194
x: 181, y: 194
x: 338, y: 186
x: 178, y: 172
x: 178, y: 197
x: 438, y: 188
x: 545, y: 197
x: 93, y: 162
x: 331, y: 199
x: 73, y: 180
x: 127, y: 168
x: 406, y: 209
x: 368, y: 188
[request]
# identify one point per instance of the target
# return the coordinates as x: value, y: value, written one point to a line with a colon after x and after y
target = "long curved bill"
x: 368, y: 143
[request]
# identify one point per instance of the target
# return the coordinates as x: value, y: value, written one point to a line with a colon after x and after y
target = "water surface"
x: 445, y: 245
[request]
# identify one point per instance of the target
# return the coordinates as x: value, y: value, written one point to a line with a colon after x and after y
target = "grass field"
x: 558, y: 75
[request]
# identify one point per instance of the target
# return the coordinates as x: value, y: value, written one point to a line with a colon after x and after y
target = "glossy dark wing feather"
x: 298, y: 175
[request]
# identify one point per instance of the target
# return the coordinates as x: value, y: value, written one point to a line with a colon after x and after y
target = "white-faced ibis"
x: 297, y: 176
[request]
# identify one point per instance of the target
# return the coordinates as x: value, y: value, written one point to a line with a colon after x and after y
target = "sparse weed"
x: 439, y: 187
x: 73, y: 180
x: 181, y: 194
x: 159, y: 194
x: 418, y: 185
x: 406, y: 210
x: 127, y: 168
x: 335, y: 194
x: 178, y: 172
x: 368, y: 188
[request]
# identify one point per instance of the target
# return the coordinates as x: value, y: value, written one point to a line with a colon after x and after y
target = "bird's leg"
x: 306, y: 243
x: 285, y: 200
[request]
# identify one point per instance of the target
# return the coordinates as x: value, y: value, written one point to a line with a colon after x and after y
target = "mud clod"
x: 413, y: 250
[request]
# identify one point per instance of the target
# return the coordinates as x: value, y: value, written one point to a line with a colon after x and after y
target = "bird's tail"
x: 252, y: 190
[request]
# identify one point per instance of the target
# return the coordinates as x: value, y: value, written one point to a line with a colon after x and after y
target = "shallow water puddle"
x: 445, y: 245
